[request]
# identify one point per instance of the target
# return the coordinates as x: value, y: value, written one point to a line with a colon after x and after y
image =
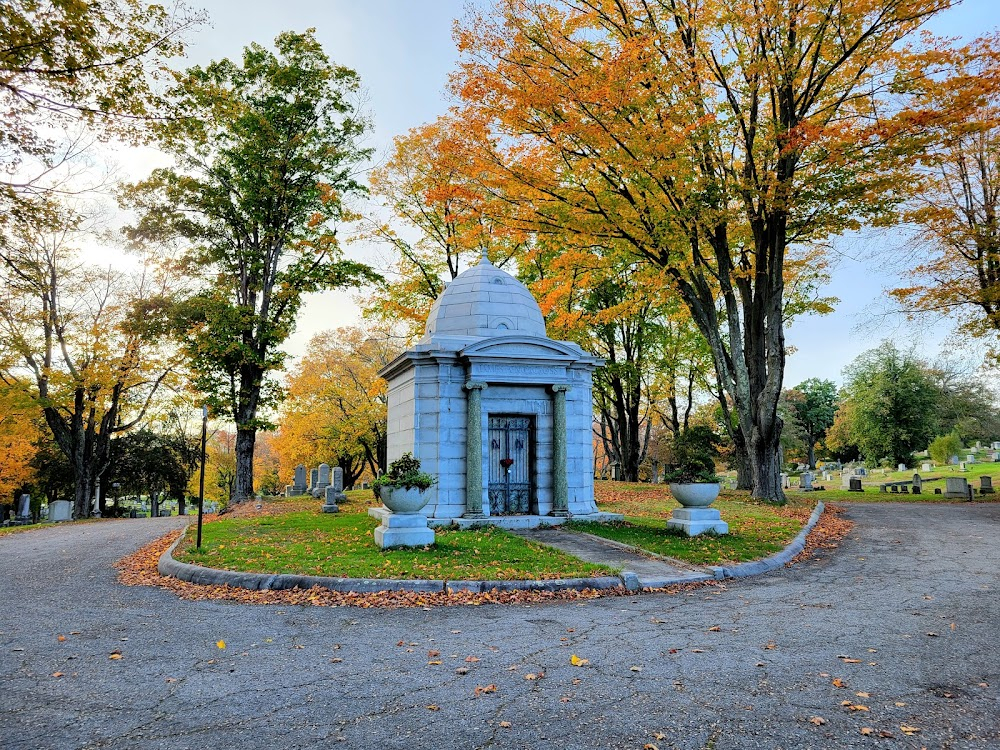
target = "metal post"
x: 201, y: 482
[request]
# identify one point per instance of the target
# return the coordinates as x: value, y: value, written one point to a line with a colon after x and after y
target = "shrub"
x: 404, y: 472
x: 693, y: 456
x: 943, y: 447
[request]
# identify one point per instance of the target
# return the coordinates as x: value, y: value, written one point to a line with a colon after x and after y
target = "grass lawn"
x: 756, y: 529
x: 294, y: 536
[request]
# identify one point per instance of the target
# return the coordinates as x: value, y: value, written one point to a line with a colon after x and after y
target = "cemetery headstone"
x: 855, y: 484
x: 23, y: 508
x: 995, y: 456
x: 806, y: 482
x: 953, y: 460
x: 956, y: 487
x: 961, y: 466
x: 970, y: 458
x: 986, y: 485
x: 996, y: 446
x: 298, y: 486
x: 918, y: 484
x: 901, y: 467
x: 60, y: 510
x: 785, y: 484
x: 313, y: 479
x: 926, y: 466
x: 335, y: 492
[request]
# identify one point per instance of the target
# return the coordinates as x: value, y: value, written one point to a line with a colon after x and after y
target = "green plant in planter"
x: 404, y: 472
x: 694, y: 453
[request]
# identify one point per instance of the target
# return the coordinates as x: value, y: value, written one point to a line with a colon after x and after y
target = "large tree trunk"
x: 765, y: 464
x: 246, y: 438
x: 812, y: 453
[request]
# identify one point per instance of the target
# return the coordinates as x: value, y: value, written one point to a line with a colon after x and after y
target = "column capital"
x: 476, y: 385
x: 560, y: 388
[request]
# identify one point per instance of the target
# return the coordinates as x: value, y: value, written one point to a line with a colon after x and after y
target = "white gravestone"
x: 24, y: 507
x: 926, y: 466
x: 806, y: 481
x: 60, y: 510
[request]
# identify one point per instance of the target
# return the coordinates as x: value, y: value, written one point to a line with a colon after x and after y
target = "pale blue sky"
x: 403, y: 51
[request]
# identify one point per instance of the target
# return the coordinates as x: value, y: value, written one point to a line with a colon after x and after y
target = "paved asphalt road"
x: 657, y: 674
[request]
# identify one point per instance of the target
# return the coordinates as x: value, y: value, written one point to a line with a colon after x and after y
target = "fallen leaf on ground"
x: 697, y: 651
x: 61, y: 638
x: 433, y: 707
x: 483, y: 689
x: 462, y: 670
x: 837, y: 682
x: 899, y: 704
x: 115, y: 655
x: 221, y: 644
x: 933, y: 635
x: 171, y: 679
x: 505, y: 724
x: 74, y: 632
x: 58, y: 674
x: 531, y: 676
x: 862, y: 694
x: 770, y: 646
x: 714, y: 629
x: 858, y: 708
x: 908, y: 730
x: 851, y: 661
x: 434, y: 662
x: 432, y: 653
x: 471, y: 659
x: 636, y: 669
x: 867, y: 731
x: 817, y: 720
x: 650, y: 746
x: 576, y: 661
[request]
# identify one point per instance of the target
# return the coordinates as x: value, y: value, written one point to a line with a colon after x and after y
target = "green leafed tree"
x: 814, y: 404
x: 266, y: 150
x: 892, y: 405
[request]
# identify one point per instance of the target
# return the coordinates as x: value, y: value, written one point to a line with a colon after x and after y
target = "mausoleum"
x: 500, y: 414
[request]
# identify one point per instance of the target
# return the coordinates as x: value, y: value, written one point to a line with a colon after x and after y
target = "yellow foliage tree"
x: 335, y: 412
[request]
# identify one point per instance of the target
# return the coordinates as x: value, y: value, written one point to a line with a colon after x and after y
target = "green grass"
x: 872, y: 493
x: 756, y: 529
x: 342, y: 545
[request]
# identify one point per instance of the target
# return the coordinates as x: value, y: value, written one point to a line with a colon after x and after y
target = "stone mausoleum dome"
x: 485, y: 301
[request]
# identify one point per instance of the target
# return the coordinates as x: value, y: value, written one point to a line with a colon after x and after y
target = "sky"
x: 403, y: 52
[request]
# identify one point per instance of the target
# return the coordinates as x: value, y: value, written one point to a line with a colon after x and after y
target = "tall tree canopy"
x: 266, y: 151
x: 62, y: 61
x: 716, y: 139
x: 956, y: 209
x: 814, y: 403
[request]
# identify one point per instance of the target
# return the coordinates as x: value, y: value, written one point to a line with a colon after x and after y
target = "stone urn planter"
x: 403, y: 499
x: 695, y: 494
x: 403, y: 491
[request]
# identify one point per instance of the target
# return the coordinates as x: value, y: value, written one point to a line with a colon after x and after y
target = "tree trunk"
x: 812, y: 455
x: 765, y: 465
x: 246, y: 438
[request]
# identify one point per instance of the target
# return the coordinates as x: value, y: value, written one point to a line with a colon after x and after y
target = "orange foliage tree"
x: 957, y: 206
x: 19, y: 435
x: 718, y: 140
x: 444, y: 220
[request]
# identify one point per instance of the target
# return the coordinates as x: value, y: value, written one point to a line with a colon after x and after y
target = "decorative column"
x: 474, y: 450
x: 560, y: 489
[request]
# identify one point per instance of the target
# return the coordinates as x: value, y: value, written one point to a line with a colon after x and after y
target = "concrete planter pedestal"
x: 695, y: 517
x: 404, y: 525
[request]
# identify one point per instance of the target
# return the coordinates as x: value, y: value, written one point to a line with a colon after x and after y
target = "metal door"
x: 509, y: 486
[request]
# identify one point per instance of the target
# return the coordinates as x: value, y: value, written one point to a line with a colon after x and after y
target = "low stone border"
x: 778, y: 559
x: 168, y: 566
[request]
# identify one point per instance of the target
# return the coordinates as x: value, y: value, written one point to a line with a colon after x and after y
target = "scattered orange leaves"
x: 139, y: 569
x: 826, y: 535
x: 484, y: 689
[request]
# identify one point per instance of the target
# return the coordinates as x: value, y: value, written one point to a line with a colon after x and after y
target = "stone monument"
x: 23, y: 515
x: 335, y: 492
x: 298, y: 487
x: 956, y: 487
x: 60, y: 510
x: 496, y: 411
x: 322, y: 480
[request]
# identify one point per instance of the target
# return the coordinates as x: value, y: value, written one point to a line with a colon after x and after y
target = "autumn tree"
x: 19, y: 437
x: 718, y: 140
x: 443, y: 220
x: 64, y: 63
x: 265, y: 154
x: 78, y: 341
x: 956, y: 205
x: 336, y: 407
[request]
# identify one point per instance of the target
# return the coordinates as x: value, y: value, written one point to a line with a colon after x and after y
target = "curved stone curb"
x: 777, y: 560
x: 168, y: 566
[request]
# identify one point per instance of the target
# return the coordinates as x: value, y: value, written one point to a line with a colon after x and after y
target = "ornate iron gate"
x: 511, y: 453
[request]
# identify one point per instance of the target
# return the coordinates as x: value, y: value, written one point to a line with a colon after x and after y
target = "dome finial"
x: 485, y: 260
